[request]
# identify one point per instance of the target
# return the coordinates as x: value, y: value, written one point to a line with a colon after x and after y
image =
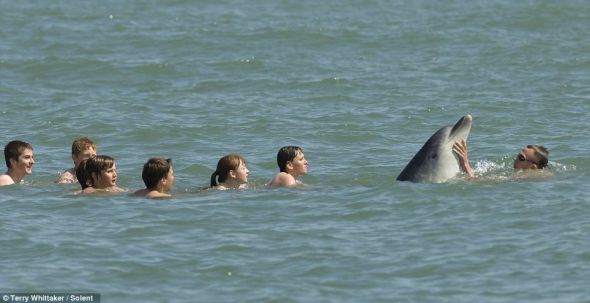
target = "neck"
x: 231, y: 183
x: 16, y: 175
x: 292, y: 173
x: 102, y: 186
x: 159, y: 188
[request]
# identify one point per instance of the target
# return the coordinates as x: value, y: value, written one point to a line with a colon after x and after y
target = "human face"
x: 169, y: 180
x: 299, y: 165
x: 24, y: 163
x: 107, y: 178
x: 84, y: 155
x: 242, y: 173
x: 526, y: 159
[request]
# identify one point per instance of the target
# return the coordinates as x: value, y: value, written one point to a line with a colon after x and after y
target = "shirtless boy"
x: 292, y: 164
x: 19, y: 161
x: 158, y: 177
x: 82, y: 149
x: 98, y: 174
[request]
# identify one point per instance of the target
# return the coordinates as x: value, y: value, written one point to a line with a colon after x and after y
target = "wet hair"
x: 541, y: 153
x: 286, y: 154
x: 81, y: 144
x: 154, y: 170
x: 13, y: 149
x: 224, y: 165
x: 82, y: 175
x: 96, y: 165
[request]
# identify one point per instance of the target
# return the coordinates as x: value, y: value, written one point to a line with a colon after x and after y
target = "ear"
x: 289, y: 164
x: 232, y: 173
x: 12, y: 162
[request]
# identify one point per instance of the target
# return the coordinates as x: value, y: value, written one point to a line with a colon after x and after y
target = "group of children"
x: 98, y: 173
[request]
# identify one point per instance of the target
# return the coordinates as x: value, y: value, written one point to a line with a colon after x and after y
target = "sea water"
x: 360, y: 86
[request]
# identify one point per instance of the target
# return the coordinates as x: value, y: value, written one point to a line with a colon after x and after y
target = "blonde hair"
x: 81, y: 144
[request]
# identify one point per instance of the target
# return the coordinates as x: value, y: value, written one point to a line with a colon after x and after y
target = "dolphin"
x: 435, y: 162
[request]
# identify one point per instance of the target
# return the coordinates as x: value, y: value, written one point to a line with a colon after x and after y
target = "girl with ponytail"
x: 231, y: 173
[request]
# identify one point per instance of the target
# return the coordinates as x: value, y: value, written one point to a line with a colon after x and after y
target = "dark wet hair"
x: 286, y: 154
x: 224, y: 165
x: 82, y: 175
x: 13, y: 149
x: 154, y: 170
x: 541, y: 153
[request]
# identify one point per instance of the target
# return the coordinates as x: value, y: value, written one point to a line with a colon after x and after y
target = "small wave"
x: 559, y: 167
x: 239, y: 62
x: 486, y: 166
x: 501, y: 170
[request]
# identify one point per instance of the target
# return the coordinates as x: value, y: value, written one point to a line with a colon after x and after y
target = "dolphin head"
x: 435, y: 162
x: 460, y: 130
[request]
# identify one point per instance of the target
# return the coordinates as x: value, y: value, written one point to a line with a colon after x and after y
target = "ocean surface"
x: 360, y: 86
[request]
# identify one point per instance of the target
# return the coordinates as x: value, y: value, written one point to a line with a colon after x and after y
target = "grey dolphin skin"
x: 435, y: 162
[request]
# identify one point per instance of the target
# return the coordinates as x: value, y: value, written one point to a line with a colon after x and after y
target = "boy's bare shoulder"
x: 6, y: 180
x: 150, y: 194
x: 157, y: 195
x: 282, y: 179
x: 140, y: 192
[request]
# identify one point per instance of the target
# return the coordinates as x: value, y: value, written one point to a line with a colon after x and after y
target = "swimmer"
x: 98, y: 174
x: 19, y: 161
x: 158, y: 177
x: 231, y: 173
x: 292, y: 164
x: 529, y: 159
x: 82, y: 149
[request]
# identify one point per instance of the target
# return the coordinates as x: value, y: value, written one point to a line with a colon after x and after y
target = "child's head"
x: 226, y: 166
x: 156, y: 170
x: 287, y: 154
x: 82, y: 149
x: 101, y: 171
x: 13, y: 150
